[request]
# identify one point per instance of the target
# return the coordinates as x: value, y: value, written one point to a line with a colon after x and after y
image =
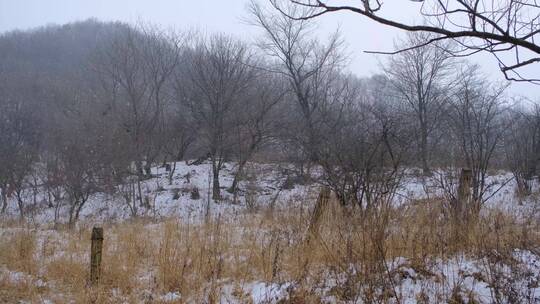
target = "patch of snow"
x: 170, y: 297
x: 268, y: 293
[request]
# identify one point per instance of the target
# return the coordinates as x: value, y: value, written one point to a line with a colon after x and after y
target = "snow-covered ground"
x: 264, y: 186
x: 174, y: 200
x: 462, y: 278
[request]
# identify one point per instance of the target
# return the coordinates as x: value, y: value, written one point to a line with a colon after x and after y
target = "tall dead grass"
x: 206, y: 261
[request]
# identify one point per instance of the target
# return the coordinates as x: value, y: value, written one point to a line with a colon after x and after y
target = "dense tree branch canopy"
x: 508, y: 29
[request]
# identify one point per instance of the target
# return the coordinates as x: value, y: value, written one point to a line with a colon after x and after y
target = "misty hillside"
x: 55, y: 50
x: 152, y: 164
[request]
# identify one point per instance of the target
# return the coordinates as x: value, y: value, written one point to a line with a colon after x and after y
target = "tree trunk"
x: 130, y: 197
x: 78, y: 211
x: 57, y: 206
x: 148, y: 169
x: 216, y: 193
x: 71, y: 214
x: 4, y: 201
x: 139, y: 190
x: 239, y: 172
x: 171, y: 173
x: 424, y: 151
x: 20, y: 202
x: 234, y: 185
x: 35, y: 190
x: 50, y: 203
x: 139, y: 168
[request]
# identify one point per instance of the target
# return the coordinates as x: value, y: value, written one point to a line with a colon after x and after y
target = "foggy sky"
x: 229, y: 16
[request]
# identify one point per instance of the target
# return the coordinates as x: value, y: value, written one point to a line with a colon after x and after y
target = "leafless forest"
x: 229, y: 169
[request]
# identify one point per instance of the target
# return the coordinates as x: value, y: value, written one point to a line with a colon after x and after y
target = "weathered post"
x: 464, y: 191
x: 318, y: 211
x: 95, y: 255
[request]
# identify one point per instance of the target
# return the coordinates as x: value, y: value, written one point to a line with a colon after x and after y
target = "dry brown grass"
x: 17, y: 250
x: 200, y: 260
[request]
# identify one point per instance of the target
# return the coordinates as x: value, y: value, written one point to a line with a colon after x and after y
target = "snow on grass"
x: 172, y: 199
x: 483, y: 280
x: 170, y: 297
x: 268, y: 293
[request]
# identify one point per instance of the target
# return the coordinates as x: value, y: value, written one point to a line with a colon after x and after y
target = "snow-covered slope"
x: 263, y: 184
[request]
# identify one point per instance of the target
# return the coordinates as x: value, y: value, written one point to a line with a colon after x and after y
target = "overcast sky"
x: 227, y: 16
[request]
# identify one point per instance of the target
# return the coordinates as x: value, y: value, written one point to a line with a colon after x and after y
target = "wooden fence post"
x: 95, y: 255
x: 464, y: 191
x: 320, y: 207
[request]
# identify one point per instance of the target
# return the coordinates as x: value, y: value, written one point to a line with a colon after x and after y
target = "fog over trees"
x: 89, y: 107
x: 144, y: 164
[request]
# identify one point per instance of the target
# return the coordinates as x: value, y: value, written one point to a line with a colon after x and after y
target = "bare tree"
x: 308, y: 66
x: 258, y: 121
x: 219, y: 75
x: 352, y: 139
x: 178, y: 135
x: 418, y: 77
x: 79, y: 167
x: 501, y: 28
x: 477, y: 120
x: 136, y: 70
x: 137, y: 67
x: 19, y: 137
x: 365, y: 145
x: 53, y: 183
x: 79, y: 147
x: 522, y: 146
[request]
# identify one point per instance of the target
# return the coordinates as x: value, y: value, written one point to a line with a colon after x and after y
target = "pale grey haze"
x: 229, y: 17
